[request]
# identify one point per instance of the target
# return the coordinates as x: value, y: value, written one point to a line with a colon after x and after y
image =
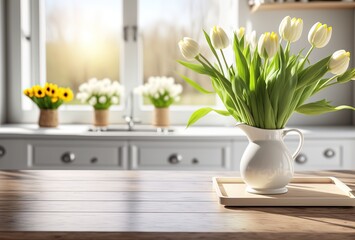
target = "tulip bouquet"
x: 100, y: 94
x: 161, y: 91
x: 50, y: 96
x: 266, y: 83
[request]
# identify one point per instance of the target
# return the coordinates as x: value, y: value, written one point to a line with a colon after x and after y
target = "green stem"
x: 205, y: 59
x: 220, y: 65
x: 224, y: 59
x: 330, y: 79
x: 307, y: 55
x: 265, y: 67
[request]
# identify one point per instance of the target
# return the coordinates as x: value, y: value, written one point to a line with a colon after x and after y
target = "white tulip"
x: 92, y: 101
x: 319, y: 35
x: 339, y: 62
x: 102, y: 99
x: 84, y: 87
x: 82, y: 96
x: 240, y: 32
x: 92, y: 81
x: 291, y: 29
x: 170, y: 80
x: 269, y: 44
x: 219, y: 38
x: 156, y: 96
x: 166, y: 98
x: 189, y: 48
x: 114, y: 100
x: 251, y: 40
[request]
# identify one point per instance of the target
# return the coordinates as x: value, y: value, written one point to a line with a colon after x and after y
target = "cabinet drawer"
x: 318, y: 155
x: 64, y: 154
x: 12, y: 154
x: 181, y: 155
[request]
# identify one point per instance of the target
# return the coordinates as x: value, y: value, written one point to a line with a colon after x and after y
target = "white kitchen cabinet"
x: 23, y: 147
x: 13, y: 154
x: 323, y: 155
x: 69, y: 154
x: 181, y: 155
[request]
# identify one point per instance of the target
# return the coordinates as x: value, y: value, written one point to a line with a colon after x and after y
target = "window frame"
x: 131, y: 73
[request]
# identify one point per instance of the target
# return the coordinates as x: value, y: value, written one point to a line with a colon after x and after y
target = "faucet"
x: 129, y: 119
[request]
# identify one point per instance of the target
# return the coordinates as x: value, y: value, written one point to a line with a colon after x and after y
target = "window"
x: 82, y: 41
x: 70, y: 42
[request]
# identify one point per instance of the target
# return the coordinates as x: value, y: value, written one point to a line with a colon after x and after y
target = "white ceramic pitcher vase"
x: 267, y: 165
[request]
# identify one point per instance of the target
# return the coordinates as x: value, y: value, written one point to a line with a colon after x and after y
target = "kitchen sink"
x: 135, y: 129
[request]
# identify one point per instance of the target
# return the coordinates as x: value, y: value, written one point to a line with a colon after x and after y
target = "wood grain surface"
x: 152, y: 205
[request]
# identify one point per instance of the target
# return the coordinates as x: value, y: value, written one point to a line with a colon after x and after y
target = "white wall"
x: 343, y: 23
x: 2, y: 63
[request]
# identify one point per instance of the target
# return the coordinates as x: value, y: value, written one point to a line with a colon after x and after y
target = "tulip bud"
x: 219, y: 38
x: 339, y: 62
x: 319, y: 35
x: 291, y: 29
x: 189, y: 48
x: 240, y: 32
x: 251, y: 40
x: 269, y: 43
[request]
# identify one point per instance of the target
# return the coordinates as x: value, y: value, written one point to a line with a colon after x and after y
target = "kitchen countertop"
x: 152, y: 205
x: 180, y: 132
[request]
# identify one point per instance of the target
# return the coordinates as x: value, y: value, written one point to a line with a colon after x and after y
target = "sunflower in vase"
x: 48, y: 99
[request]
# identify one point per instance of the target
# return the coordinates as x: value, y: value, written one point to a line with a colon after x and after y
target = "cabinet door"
x: 320, y: 155
x: 181, y: 155
x: 59, y: 154
x: 12, y: 154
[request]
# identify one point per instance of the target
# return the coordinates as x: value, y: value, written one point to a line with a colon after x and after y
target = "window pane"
x: 82, y: 40
x: 163, y: 23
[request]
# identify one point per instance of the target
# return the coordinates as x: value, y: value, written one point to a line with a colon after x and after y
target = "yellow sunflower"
x: 28, y: 92
x: 38, y: 91
x: 51, y: 90
x: 48, y: 88
x: 54, y: 99
x: 66, y: 94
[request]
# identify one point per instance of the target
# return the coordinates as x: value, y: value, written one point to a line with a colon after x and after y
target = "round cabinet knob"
x: 94, y: 160
x: 2, y: 151
x: 329, y: 153
x: 195, y: 161
x: 68, y: 157
x: 175, y: 158
x: 301, y: 158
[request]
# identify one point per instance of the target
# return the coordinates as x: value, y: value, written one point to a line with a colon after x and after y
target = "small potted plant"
x: 48, y: 99
x: 162, y: 92
x: 100, y: 94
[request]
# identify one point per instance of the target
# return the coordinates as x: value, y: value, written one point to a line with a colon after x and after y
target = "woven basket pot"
x: 48, y: 118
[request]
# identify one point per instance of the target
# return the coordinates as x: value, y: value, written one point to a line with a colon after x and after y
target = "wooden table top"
x: 152, y: 205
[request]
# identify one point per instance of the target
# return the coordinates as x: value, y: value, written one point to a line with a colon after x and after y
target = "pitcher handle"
x: 300, y: 144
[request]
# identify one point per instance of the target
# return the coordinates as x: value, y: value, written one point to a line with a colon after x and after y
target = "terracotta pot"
x: 161, y: 117
x: 101, y: 118
x: 48, y: 118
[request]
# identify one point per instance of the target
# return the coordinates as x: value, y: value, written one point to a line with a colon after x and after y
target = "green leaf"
x: 203, y: 112
x: 313, y: 72
x: 320, y: 107
x: 198, y: 68
x: 347, y: 76
x: 195, y: 85
x: 240, y: 61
